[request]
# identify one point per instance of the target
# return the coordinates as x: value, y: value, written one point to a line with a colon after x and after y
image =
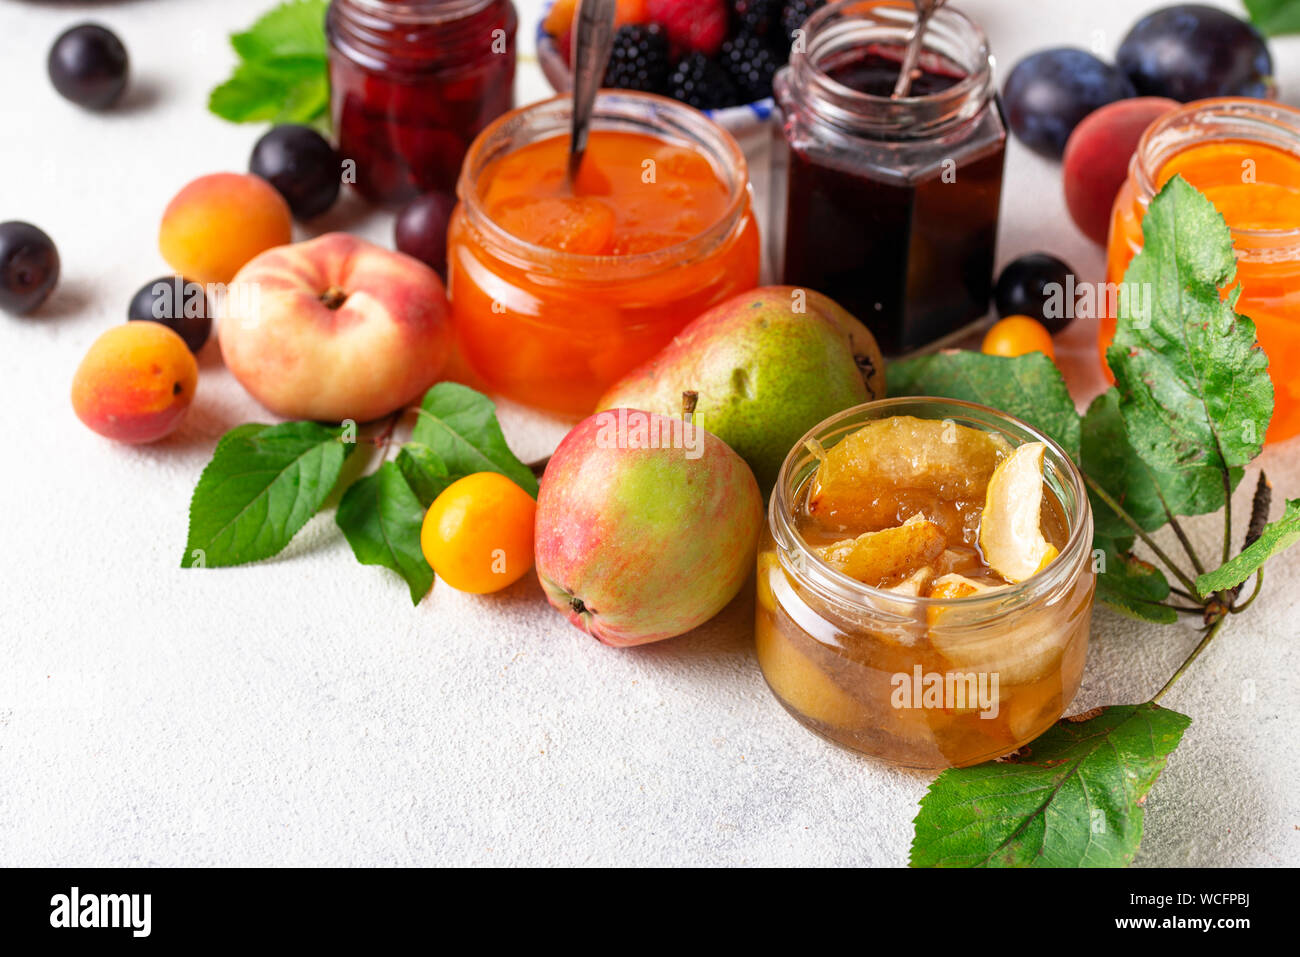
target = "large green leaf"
x: 283, y: 69
x: 459, y: 426
x: 1193, y: 384
x: 1029, y: 387
x: 1072, y: 798
x: 1277, y: 536
x: 262, y: 485
x: 381, y: 518
x: 293, y: 29
x: 1109, y: 460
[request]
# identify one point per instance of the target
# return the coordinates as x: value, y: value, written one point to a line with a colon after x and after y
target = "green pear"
x: 768, y: 365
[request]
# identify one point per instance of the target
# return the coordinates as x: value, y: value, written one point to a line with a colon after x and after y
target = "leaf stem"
x: 1137, y: 529
x: 1196, y: 652
x: 384, y: 440
x: 1259, y: 581
x: 1187, y: 544
x: 1227, y: 516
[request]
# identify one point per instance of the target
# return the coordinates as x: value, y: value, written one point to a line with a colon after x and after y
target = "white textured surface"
x: 301, y: 712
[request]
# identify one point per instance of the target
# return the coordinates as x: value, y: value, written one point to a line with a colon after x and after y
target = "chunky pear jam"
x: 925, y: 587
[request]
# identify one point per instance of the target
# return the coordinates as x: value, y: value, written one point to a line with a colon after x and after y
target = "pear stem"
x: 689, y: 400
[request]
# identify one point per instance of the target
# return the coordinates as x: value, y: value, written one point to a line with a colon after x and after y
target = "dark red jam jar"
x: 890, y: 206
x: 412, y: 83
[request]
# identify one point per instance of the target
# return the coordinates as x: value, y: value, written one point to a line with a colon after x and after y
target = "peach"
x: 136, y: 382
x: 1097, y: 157
x: 219, y: 222
x: 335, y: 328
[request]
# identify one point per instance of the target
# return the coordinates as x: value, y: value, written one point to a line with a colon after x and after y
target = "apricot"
x: 221, y: 221
x: 136, y: 382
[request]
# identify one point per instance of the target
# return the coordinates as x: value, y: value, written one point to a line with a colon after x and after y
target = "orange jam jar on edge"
x: 858, y: 664
x: 557, y: 291
x: 1244, y: 155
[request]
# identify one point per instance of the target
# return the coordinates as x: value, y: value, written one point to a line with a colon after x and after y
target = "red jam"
x: 412, y: 84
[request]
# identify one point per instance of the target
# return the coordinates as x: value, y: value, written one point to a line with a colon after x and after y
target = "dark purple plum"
x: 1049, y: 92
x: 421, y: 229
x: 88, y: 65
x: 29, y: 267
x: 1191, y: 52
x: 1025, y: 286
x: 179, y: 304
x: 301, y: 165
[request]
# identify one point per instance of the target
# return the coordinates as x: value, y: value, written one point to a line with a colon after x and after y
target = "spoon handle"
x: 593, y: 39
x: 925, y: 9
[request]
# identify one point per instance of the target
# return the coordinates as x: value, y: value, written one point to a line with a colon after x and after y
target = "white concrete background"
x: 302, y: 712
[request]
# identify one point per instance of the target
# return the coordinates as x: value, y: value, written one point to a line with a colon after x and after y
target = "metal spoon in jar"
x: 925, y: 9
x: 593, y: 39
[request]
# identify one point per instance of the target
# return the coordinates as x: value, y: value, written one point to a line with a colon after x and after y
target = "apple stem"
x: 333, y: 297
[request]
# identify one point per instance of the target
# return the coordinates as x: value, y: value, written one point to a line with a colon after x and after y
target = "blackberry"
x: 760, y: 18
x: 751, y: 63
x: 639, y: 59
x: 796, y: 12
x: 702, y: 83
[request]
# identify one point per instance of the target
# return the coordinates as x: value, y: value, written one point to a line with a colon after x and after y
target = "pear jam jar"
x: 925, y: 583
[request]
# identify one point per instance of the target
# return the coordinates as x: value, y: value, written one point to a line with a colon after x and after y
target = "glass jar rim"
x: 421, y: 11
x: 614, y: 108
x: 836, y: 587
x: 841, y: 24
x: 1257, y: 117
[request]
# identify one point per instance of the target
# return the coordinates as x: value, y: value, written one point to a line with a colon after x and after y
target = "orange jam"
x: 559, y: 289
x: 1244, y: 155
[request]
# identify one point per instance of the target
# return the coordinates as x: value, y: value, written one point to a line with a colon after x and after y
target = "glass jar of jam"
x: 890, y: 206
x: 559, y: 289
x: 412, y: 82
x: 1244, y: 155
x: 903, y: 610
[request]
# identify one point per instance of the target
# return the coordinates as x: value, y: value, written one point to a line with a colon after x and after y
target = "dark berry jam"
x: 900, y: 231
x: 413, y: 83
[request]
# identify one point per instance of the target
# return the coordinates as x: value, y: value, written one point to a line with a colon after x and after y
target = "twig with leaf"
x: 1188, y: 413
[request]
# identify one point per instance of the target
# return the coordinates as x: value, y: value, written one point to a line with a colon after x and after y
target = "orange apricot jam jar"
x: 560, y: 289
x: 1245, y: 156
x: 925, y: 583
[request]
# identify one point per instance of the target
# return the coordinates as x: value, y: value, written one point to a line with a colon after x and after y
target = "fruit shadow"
x: 142, y: 93
x: 348, y: 212
x: 70, y: 298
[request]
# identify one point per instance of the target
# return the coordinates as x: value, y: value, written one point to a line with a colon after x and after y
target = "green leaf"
x: 283, y: 73
x: 264, y: 482
x: 1108, y: 459
x: 1029, y: 387
x: 1131, y: 586
x: 424, y: 472
x: 1193, y: 383
x: 381, y: 518
x: 1275, y: 17
x: 1072, y: 798
x: 293, y: 29
x: 1277, y: 537
x: 459, y: 426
